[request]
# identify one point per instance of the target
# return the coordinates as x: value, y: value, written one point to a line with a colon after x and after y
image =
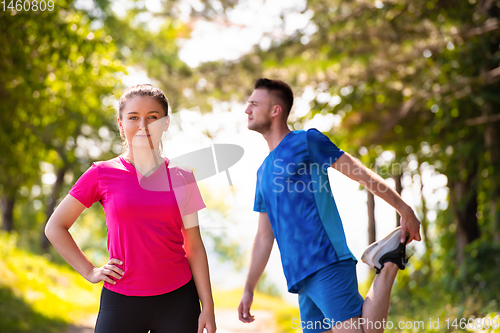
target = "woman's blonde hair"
x: 142, y: 90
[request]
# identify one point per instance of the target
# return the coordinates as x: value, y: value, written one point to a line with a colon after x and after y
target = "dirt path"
x: 227, y: 322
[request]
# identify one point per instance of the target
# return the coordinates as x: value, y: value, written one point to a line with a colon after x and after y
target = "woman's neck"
x: 145, y: 160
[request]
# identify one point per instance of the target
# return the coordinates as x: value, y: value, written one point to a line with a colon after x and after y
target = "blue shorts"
x: 328, y: 296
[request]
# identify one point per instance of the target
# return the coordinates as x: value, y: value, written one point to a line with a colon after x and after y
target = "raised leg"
x: 376, y: 304
x: 375, y: 307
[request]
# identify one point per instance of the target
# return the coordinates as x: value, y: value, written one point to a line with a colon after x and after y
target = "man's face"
x: 259, y: 110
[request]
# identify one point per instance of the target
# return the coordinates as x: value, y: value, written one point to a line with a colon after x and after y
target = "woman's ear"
x: 120, y: 126
x: 167, y: 124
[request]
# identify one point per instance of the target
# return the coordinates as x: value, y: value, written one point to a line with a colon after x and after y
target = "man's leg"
x: 376, y: 304
x: 387, y: 256
x: 331, y: 297
x: 375, y: 307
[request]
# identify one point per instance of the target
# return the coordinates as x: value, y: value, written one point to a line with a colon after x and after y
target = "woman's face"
x: 143, y: 122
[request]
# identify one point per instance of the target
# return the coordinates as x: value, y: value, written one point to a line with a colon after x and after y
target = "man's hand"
x: 261, y: 249
x: 410, y: 225
x: 244, y: 308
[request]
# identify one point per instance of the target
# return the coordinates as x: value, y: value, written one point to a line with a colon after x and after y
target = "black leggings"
x: 173, y: 312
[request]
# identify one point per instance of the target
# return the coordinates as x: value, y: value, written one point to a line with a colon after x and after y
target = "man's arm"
x: 261, y: 250
x: 353, y: 169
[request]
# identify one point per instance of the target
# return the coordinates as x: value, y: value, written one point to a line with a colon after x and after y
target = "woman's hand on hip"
x: 107, y: 271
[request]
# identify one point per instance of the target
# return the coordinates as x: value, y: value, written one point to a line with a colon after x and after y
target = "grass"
x: 39, y: 296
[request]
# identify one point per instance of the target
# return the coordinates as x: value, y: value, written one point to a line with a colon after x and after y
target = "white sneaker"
x: 387, y: 249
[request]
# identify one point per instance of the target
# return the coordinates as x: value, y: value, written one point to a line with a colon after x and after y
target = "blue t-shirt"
x: 293, y: 188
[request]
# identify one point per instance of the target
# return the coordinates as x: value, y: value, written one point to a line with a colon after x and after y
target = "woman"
x: 158, y: 270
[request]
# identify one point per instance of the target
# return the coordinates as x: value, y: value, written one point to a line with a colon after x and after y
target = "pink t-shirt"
x: 143, y: 218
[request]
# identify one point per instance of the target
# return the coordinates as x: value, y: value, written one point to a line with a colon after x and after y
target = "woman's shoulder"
x: 112, y: 163
x: 179, y: 171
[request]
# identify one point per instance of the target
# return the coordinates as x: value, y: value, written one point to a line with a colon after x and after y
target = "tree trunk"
x: 491, y: 143
x: 7, y: 203
x: 52, y: 204
x: 425, y: 224
x: 399, y: 189
x: 463, y: 197
x: 372, y: 234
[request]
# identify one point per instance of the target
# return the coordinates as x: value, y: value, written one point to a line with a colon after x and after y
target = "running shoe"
x: 387, y: 249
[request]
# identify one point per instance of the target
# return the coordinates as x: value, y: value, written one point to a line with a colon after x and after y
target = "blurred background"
x: 411, y: 88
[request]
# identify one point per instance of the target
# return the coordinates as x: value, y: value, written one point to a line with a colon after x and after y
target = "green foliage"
x: 227, y: 250
x: 37, y: 295
x: 18, y: 316
x: 266, y: 287
x: 56, y: 73
x: 480, y: 271
x: 446, y: 290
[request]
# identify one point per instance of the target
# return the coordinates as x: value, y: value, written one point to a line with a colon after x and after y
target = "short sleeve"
x: 321, y: 149
x: 259, y: 205
x: 188, y: 194
x: 87, y: 189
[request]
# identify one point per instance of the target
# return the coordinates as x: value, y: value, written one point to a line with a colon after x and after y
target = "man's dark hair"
x: 280, y: 89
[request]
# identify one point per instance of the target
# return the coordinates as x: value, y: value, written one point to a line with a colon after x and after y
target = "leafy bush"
x: 37, y: 295
x: 442, y: 289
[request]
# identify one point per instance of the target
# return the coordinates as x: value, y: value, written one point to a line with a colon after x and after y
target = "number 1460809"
x: 26, y: 5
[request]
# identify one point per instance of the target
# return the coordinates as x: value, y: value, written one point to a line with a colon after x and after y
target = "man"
x: 296, y: 207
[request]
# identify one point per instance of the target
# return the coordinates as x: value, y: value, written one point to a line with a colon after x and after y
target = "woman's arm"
x: 57, y: 231
x: 197, y: 257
